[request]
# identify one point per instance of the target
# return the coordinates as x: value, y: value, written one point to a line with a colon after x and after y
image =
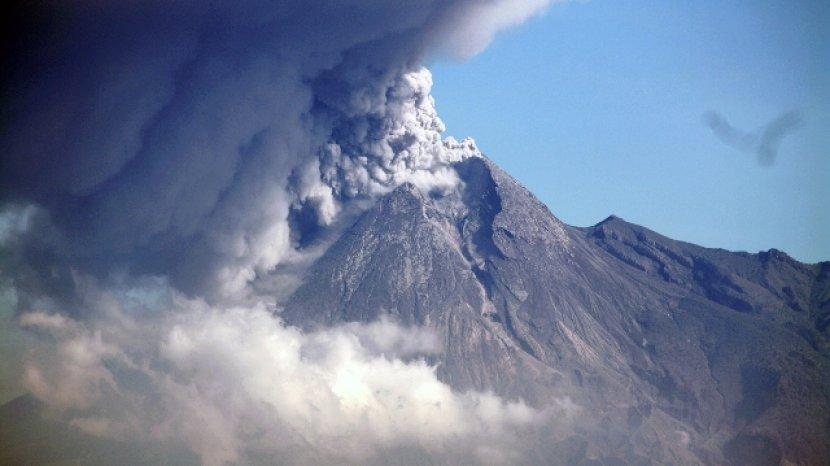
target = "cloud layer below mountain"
x: 234, y: 384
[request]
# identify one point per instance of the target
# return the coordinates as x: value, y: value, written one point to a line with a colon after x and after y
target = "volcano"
x: 651, y: 350
x: 670, y: 352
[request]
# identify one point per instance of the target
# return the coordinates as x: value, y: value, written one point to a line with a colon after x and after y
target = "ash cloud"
x: 182, y: 139
x: 764, y: 142
x: 162, y: 160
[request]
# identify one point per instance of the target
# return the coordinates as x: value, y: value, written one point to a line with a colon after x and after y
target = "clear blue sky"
x: 596, y: 107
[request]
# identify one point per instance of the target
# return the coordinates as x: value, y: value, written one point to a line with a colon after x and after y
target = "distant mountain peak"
x: 611, y: 218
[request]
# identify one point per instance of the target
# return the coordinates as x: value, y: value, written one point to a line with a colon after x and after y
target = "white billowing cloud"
x: 408, y: 147
x: 235, y: 382
x: 385, y: 337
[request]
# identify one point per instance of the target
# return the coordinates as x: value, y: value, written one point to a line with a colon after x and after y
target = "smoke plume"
x: 161, y: 161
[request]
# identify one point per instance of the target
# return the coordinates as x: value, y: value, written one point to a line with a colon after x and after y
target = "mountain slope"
x: 31, y: 434
x: 673, y: 352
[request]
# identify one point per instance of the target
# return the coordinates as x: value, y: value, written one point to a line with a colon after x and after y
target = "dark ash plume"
x: 186, y: 140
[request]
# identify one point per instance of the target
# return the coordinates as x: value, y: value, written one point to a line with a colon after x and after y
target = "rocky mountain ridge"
x: 642, y: 349
x: 674, y: 353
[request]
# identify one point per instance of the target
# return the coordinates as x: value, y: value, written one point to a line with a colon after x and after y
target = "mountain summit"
x: 668, y: 352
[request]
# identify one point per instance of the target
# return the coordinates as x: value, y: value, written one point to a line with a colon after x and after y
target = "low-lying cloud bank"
x: 236, y: 383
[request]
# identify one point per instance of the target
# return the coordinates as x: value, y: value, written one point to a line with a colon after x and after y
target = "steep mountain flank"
x: 673, y: 353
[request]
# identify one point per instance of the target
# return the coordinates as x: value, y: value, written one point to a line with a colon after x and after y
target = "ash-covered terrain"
x: 671, y: 353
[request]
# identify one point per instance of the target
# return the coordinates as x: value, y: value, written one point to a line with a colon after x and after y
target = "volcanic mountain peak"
x: 646, y: 334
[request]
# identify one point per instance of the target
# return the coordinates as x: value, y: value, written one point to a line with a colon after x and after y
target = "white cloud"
x: 236, y: 381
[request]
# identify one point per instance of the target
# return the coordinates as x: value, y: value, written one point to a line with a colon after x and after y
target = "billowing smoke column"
x: 160, y: 160
x: 182, y: 140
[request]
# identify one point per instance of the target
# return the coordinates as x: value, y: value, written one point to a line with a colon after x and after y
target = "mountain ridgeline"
x: 636, y: 348
x: 667, y: 352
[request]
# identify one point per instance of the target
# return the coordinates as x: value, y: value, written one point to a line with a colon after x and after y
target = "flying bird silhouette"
x: 764, y: 142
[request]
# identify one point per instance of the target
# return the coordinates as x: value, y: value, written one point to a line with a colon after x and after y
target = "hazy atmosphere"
x: 240, y: 232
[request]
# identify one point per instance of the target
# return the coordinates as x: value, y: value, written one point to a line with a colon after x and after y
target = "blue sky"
x: 597, y: 108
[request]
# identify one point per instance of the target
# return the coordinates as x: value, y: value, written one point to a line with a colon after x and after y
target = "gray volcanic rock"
x: 673, y: 353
